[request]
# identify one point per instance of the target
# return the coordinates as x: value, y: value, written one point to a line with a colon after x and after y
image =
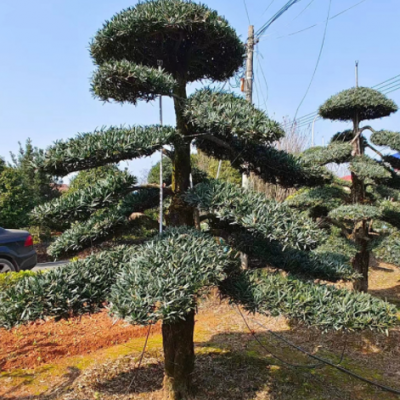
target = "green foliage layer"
x: 123, y: 81
x: 166, y: 276
x: 271, y: 165
x: 192, y: 40
x: 105, y: 146
x: 323, y: 306
x: 81, y: 204
x: 367, y: 103
x: 367, y: 168
x: 356, y: 212
x: 336, y: 152
x: 78, y: 288
x: 320, y: 264
x: 103, y: 224
x: 323, y: 198
x: 387, y: 248
x: 225, y: 114
x: 255, y: 213
x: 386, y: 138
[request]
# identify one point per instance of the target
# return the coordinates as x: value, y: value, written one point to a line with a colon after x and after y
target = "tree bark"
x: 361, y: 265
x: 179, y: 358
x: 361, y: 260
x: 179, y: 212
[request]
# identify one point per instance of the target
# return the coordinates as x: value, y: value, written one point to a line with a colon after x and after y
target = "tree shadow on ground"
x: 392, y: 295
x: 230, y: 366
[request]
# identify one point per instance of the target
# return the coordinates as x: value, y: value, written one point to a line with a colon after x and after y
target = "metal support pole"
x: 160, y: 63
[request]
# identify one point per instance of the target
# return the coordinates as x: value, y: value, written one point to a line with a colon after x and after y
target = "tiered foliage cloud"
x: 164, y: 278
x: 365, y: 213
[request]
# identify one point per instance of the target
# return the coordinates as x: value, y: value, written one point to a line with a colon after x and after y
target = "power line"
x: 393, y: 82
x: 397, y: 76
x: 319, y: 23
x: 269, y: 5
x: 394, y: 85
x: 247, y: 11
x: 312, y: 366
x: 318, y: 60
x: 286, y: 7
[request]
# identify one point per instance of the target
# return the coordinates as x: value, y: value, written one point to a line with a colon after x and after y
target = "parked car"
x: 16, y: 250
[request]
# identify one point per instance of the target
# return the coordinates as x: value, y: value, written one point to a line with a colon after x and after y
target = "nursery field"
x: 95, y: 357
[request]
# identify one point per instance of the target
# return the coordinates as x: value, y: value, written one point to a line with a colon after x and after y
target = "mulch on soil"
x: 43, y: 342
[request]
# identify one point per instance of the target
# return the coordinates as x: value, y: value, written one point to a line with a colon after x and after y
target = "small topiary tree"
x: 163, y: 279
x: 369, y: 206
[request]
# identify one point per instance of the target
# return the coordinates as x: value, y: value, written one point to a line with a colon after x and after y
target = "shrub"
x: 10, y: 279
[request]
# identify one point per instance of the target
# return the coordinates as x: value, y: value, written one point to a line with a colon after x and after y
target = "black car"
x: 16, y: 250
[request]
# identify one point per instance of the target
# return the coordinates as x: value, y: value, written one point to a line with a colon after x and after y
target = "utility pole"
x: 249, y: 97
x: 160, y: 64
x: 249, y: 65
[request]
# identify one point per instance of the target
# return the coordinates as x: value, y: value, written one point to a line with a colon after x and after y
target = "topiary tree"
x: 163, y: 279
x: 365, y: 212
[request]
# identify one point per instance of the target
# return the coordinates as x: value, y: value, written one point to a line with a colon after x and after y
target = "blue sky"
x: 45, y: 68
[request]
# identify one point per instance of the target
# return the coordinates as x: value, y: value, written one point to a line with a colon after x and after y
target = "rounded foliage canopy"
x: 193, y: 41
x: 368, y: 103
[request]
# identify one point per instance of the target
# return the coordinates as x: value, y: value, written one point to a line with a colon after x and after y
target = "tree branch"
x: 375, y: 150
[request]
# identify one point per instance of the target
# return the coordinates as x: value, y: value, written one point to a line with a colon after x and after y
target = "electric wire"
x: 385, y: 81
x: 308, y: 118
x: 286, y: 7
x: 312, y: 366
x: 318, y: 60
x: 247, y: 11
x: 391, y: 85
x: 269, y: 5
x: 319, y: 23
x: 329, y: 363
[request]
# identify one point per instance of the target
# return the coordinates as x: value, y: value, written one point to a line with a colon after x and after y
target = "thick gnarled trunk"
x: 179, y: 358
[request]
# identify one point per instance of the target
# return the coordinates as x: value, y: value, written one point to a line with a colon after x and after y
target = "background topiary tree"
x: 365, y: 212
x: 163, y: 279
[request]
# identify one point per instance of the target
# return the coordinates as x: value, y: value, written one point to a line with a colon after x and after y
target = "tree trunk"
x: 179, y: 358
x: 361, y: 265
x: 360, y: 235
x: 179, y: 212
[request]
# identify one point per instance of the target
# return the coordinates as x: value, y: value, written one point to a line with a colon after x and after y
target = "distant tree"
x: 199, y: 171
x: 369, y: 205
x: 16, y: 200
x: 41, y: 185
x: 294, y: 142
x: 210, y: 165
x: 88, y: 178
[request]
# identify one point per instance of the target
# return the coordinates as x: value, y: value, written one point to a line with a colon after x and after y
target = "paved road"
x: 49, y: 265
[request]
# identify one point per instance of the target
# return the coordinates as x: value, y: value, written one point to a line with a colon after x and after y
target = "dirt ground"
x: 41, y: 343
x: 94, y: 359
